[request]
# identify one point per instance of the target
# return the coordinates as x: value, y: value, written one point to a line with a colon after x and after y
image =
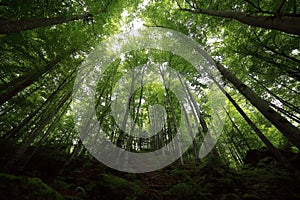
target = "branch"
x: 274, y: 50
x: 282, y: 23
x: 155, y: 26
x: 252, y: 4
x: 190, y: 10
x: 279, y: 7
x: 190, y: 4
x: 178, y: 5
x: 4, y: 4
x: 106, y: 6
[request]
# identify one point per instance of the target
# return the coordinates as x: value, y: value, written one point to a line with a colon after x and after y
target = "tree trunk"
x: 14, y: 131
x: 287, y: 104
x: 283, y: 125
x: 190, y: 99
x: 204, y: 131
x: 130, y: 139
x: 13, y: 26
x: 286, y: 128
x: 278, y: 52
x: 126, y: 115
x: 177, y: 139
x: 238, y: 130
x: 286, y: 24
x: 8, y: 90
x: 48, y: 132
x: 27, y: 141
x: 14, y: 87
x: 75, y: 152
x: 264, y: 139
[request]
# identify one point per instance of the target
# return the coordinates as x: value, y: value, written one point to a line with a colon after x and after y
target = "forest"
x: 150, y: 99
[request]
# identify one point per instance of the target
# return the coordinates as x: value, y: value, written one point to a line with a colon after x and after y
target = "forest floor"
x: 89, y: 179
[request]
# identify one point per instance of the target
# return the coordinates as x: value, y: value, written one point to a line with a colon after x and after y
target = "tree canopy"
x: 253, y: 45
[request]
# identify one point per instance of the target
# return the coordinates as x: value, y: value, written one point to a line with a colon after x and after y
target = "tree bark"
x: 48, y: 132
x: 284, y: 102
x: 14, y: 26
x: 263, y: 138
x: 130, y: 139
x: 14, y: 131
x: 283, y: 125
x: 238, y: 130
x: 286, y: 24
x: 120, y: 139
x: 177, y: 139
x: 8, y: 90
x: 41, y: 125
x: 14, y: 87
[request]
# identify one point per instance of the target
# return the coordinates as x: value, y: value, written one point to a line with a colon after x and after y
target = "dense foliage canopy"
x: 252, y: 44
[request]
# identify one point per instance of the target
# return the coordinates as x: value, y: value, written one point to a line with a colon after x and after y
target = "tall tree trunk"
x: 15, y: 86
x: 284, y: 68
x: 263, y: 138
x: 283, y: 125
x: 282, y: 23
x: 286, y: 113
x: 278, y: 52
x: 204, y: 131
x: 14, y: 131
x: 177, y: 139
x: 190, y: 99
x: 13, y: 26
x: 126, y: 115
x: 232, y: 151
x: 287, y: 104
x: 8, y: 90
x: 47, y: 133
x: 75, y: 152
x: 235, y: 144
x: 28, y: 141
x: 238, y: 130
x: 132, y: 128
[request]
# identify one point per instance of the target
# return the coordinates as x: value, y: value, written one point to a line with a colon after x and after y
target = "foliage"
x: 37, y: 73
x: 19, y: 187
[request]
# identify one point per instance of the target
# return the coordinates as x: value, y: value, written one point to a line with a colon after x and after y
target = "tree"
x: 289, y: 130
x: 260, y: 59
x: 281, y: 23
x: 265, y: 140
x: 13, y: 26
x: 275, y: 21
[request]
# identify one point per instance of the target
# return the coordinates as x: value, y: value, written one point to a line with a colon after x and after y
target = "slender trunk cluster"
x: 283, y: 125
x: 263, y: 138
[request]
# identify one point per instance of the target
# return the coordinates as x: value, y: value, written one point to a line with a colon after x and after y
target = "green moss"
x: 113, y: 187
x: 114, y: 182
x: 225, y: 181
x: 21, y: 187
x: 180, y: 174
x: 231, y: 196
x: 250, y: 197
x: 181, y: 190
x: 61, y: 184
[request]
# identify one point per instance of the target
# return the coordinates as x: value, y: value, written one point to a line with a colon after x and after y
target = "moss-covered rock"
x: 250, y: 197
x: 181, y: 191
x: 21, y: 187
x: 108, y: 186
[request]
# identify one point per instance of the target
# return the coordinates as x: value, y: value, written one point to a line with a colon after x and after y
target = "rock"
x: 255, y: 156
x: 22, y: 187
x: 108, y: 186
